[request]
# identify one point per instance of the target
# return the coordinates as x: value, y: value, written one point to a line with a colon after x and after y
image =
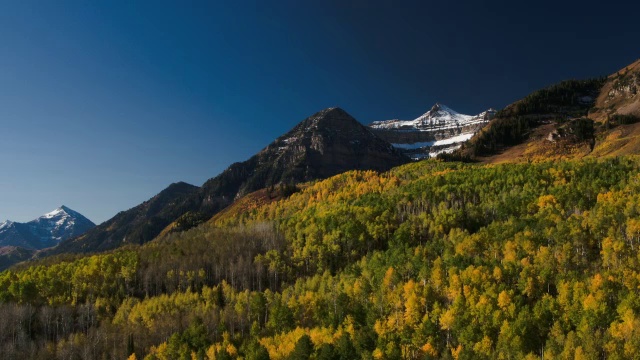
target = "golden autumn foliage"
x: 428, y: 260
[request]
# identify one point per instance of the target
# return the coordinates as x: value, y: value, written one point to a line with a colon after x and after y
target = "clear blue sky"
x: 105, y: 103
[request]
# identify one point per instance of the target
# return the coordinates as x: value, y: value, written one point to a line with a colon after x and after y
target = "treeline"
x: 429, y: 260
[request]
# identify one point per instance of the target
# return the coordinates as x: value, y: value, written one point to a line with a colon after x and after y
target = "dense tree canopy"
x: 429, y: 260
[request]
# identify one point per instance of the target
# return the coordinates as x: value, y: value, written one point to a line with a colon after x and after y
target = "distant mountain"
x: 439, y: 130
x: 325, y: 144
x: 46, y: 231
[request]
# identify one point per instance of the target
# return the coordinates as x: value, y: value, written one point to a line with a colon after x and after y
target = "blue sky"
x: 105, y: 103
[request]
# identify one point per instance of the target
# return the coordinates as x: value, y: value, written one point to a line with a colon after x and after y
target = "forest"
x: 430, y: 260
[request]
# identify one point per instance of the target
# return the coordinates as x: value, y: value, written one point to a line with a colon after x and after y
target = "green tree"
x: 303, y: 349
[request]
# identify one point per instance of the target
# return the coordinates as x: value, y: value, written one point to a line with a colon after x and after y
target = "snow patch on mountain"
x: 439, y: 130
x: 452, y: 140
x: 5, y: 224
x: 59, y: 212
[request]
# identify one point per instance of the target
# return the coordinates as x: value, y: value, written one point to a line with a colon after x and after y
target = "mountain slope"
x: 548, y: 123
x: 572, y: 119
x: 617, y: 109
x: 620, y: 95
x: 10, y: 255
x: 135, y: 225
x: 439, y: 130
x: 46, y: 231
x: 325, y: 144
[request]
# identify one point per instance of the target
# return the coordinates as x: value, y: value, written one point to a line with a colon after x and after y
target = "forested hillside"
x: 429, y: 260
x: 561, y: 104
x: 572, y: 119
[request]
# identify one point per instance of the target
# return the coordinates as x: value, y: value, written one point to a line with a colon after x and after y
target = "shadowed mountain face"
x: 135, y: 225
x: 10, y: 255
x: 325, y: 144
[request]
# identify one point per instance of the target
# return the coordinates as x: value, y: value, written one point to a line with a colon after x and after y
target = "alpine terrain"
x: 46, y: 231
x: 439, y: 130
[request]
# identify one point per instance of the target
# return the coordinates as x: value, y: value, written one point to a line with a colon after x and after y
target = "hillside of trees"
x: 513, y: 125
x: 429, y: 260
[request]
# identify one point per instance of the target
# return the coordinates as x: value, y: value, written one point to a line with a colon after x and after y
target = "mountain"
x: 548, y: 123
x: 46, y: 231
x: 325, y: 144
x: 439, y: 130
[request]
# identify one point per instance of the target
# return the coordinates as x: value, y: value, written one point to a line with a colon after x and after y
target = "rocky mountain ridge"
x: 439, y: 130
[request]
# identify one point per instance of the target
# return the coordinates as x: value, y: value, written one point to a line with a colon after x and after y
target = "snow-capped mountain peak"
x: 61, y: 212
x: 55, y: 213
x: 46, y: 230
x: 5, y: 224
x: 439, y: 117
x: 441, y: 110
x: 441, y: 129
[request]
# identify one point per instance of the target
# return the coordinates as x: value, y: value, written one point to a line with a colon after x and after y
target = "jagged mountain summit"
x: 45, y: 231
x: 439, y: 117
x: 325, y: 144
x: 439, y: 130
